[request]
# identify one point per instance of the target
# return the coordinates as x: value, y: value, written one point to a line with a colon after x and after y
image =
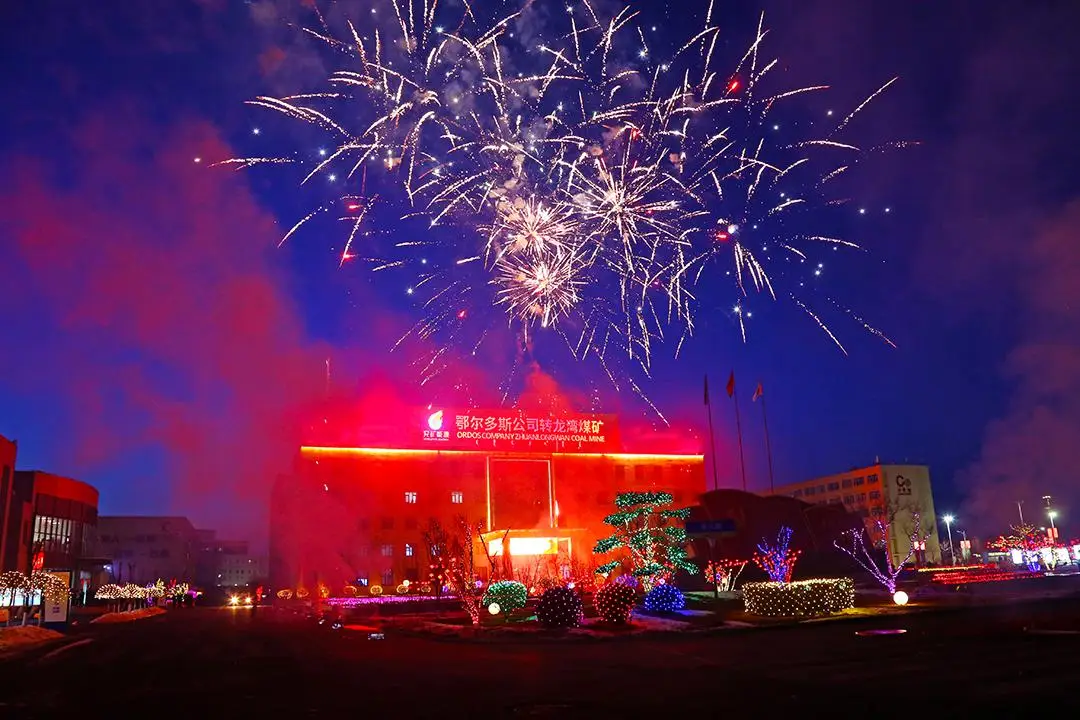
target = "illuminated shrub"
x: 508, y: 594
x: 559, y: 607
x: 614, y: 602
x: 804, y: 598
x: 664, y: 598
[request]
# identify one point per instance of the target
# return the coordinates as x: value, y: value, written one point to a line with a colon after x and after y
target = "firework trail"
x: 585, y: 187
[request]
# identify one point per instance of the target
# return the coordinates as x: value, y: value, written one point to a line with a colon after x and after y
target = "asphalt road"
x: 1016, y: 661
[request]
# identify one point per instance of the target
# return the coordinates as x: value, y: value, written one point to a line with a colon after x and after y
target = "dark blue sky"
x: 155, y: 339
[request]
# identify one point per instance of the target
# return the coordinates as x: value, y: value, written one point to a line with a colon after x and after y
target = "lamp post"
x: 948, y: 526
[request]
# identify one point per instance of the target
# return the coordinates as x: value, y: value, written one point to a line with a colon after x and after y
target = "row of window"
x: 836, y: 485
x: 456, y: 497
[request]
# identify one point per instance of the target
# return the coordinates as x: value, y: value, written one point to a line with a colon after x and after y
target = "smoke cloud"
x: 159, y: 313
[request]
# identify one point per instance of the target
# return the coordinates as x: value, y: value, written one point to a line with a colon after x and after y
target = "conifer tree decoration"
x: 652, y: 534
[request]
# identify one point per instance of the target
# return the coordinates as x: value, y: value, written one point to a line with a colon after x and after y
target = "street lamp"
x: 948, y: 526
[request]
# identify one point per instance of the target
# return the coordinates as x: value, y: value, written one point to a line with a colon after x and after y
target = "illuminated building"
x: 144, y: 548
x: 14, y: 521
x: 883, y: 493
x: 48, y: 521
x: 356, y: 513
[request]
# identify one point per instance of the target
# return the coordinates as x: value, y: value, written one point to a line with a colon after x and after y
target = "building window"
x: 810, y: 491
x: 846, y: 483
x: 848, y: 499
x: 859, y: 481
x: 408, y: 550
x: 388, y: 577
x: 862, y: 497
x: 875, y: 494
x: 410, y: 497
x: 797, y: 493
x: 388, y: 550
x: 457, y: 497
x: 834, y: 486
x: 821, y: 489
x: 871, y: 479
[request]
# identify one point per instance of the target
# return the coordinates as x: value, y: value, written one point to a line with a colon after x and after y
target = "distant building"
x: 46, y: 517
x: 145, y: 548
x: 880, y: 492
x: 236, y: 565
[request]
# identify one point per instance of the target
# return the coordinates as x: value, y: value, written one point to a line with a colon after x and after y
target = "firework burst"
x: 592, y: 188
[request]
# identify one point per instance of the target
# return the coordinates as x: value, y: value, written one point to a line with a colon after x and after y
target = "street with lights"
x: 209, y: 662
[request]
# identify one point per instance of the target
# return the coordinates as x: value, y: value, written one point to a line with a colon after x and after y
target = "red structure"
x: 355, y: 513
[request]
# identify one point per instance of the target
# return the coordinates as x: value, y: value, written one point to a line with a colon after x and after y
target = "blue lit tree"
x: 651, y: 533
x: 778, y: 561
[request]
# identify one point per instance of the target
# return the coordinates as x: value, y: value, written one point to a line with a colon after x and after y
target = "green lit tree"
x: 652, y: 534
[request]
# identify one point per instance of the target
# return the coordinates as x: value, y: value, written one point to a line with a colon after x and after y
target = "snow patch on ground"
x: 21, y: 637
x: 129, y: 615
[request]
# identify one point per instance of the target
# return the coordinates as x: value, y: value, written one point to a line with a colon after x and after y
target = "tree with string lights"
x: 461, y: 567
x: 777, y: 560
x: 436, y: 540
x: 651, y: 533
x: 863, y: 550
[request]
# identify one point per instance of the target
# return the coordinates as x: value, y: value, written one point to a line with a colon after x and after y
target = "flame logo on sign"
x: 434, y: 420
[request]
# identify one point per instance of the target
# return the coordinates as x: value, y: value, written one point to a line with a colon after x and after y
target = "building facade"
x: 48, y: 521
x: 882, y: 493
x: 145, y: 548
x: 236, y: 565
x: 16, y: 502
x: 358, y: 514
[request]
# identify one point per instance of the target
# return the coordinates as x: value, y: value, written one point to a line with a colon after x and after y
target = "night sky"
x: 157, y: 344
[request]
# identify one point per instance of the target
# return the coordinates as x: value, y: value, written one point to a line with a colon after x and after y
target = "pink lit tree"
x: 862, y: 550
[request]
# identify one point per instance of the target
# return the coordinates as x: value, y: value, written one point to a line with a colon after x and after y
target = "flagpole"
x: 738, y: 428
x: 712, y: 435
x: 768, y: 445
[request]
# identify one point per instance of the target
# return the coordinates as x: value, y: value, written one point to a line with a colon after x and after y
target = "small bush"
x: 804, y: 598
x: 509, y: 594
x: 559, y: 607
x: 614, y: 602
x: 664, y: 598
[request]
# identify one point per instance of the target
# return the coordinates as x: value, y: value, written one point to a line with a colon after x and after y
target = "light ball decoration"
x: 425, y: 588
x: 614, y: 602
x: 509, y: 595
x: 285, y: 594
x: 375, y: 590
x: 900, y: 597
x: 559, y: 607
x: 402, y: 589
x: 665, y: 598
x: 494, y: 608
x: 803, y: 598
x: 349, y: 591
x: 302, y: 593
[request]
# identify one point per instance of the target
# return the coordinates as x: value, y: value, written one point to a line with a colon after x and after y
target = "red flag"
x: 731, y: 385
x: 757, y: 393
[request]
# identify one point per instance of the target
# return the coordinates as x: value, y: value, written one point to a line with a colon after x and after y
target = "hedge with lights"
x: 559, y: 607
x: 614, y: 602
x: 803, y: 598
x: 665, y: 598
x: 510, y: 595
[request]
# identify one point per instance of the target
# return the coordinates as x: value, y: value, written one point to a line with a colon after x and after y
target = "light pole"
x: 1020, y: 509
x: 948, y: 526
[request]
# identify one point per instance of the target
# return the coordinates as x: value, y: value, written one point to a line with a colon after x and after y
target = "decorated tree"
x: 437, y: 542
x: 461, y: 568
x: 646, y: 528
x: 723, y: 574
x: 778, y: 561
x: 861, y: 549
